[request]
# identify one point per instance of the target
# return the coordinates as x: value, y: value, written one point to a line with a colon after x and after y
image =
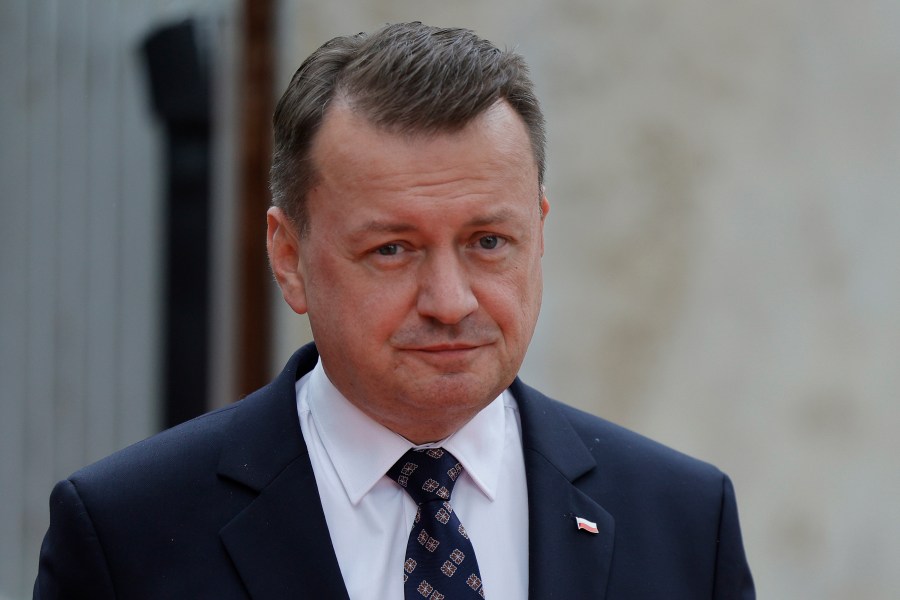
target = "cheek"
x: 509, y: 301
x: 524, y: 298
x: 364, y: 306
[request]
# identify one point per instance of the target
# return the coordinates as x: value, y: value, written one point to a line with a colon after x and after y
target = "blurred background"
x: 723, y: 251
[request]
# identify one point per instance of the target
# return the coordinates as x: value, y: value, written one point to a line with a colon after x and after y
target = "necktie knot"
x: 427, y: 475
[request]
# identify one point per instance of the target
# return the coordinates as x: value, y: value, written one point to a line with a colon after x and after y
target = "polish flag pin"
x: 589, y: 526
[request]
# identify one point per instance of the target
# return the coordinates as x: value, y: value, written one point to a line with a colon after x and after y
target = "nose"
x: 445, y: 292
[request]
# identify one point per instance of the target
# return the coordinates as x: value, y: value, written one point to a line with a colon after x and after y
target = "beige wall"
x: 722, y: 270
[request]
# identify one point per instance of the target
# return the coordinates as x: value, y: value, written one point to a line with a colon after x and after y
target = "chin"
x: 463, y: 390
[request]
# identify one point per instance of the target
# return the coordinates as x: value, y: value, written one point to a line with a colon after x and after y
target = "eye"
x: 489, y: 242
x: 388, y: 250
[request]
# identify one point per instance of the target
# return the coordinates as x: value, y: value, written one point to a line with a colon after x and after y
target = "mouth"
x: 454, y: 347
x: 448, y: 357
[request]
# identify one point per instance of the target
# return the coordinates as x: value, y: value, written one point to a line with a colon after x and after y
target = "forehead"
x: 349, y: 150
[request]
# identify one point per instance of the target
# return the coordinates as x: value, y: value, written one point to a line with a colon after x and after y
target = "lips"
x: 447, y: 347
x: 448, y: 358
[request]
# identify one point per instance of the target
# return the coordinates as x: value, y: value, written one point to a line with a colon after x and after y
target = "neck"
x: 421, y: 433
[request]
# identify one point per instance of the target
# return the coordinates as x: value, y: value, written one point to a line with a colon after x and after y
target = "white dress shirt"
x: 369, y: 516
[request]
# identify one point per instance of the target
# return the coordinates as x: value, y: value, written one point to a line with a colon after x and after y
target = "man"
x: 408, y: 223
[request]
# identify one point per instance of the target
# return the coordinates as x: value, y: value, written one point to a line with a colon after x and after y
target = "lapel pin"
x: 588, y: 526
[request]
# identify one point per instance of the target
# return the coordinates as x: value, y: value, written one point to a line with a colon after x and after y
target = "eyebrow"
x: 377, y: 226
x: 383, y: 226
x: 499, y: 216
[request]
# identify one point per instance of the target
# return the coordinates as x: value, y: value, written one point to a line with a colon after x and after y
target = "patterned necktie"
x: 440, y: 561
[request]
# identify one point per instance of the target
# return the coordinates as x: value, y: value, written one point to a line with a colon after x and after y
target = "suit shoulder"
x: 612, y: 439
x: 194, y: 444
x: 619, y: 451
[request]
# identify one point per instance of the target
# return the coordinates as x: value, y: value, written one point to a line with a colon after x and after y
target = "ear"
x: 545, y: 210
x: 283, y: 245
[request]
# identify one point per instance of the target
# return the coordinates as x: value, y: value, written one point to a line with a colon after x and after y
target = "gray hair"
x: 404, y: 78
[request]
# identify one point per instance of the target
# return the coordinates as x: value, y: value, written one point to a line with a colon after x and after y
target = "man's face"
x: 421, y: 268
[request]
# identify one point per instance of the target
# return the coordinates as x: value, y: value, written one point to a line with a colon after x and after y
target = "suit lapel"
x: 279, y: 543
x: 564, y: 562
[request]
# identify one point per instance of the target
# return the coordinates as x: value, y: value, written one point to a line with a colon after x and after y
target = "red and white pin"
x: 588, y: 526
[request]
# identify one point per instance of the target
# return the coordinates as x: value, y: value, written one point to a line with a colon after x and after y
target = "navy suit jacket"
x: 226, y: 506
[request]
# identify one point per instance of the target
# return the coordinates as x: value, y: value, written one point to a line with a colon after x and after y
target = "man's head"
x: 407, y: 78
x: 417, y: 254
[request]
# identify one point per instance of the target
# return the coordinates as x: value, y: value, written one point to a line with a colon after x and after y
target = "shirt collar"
x: 362, y: 450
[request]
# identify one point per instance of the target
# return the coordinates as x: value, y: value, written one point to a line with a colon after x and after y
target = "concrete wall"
x: 722, y: 270
x: 79, y: 223
x: 81, y: 198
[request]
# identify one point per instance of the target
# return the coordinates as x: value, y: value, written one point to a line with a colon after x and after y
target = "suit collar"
x: 547, y: 433
x: 564, y: 562
x: 264, y: 435
x: 279, y: 543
